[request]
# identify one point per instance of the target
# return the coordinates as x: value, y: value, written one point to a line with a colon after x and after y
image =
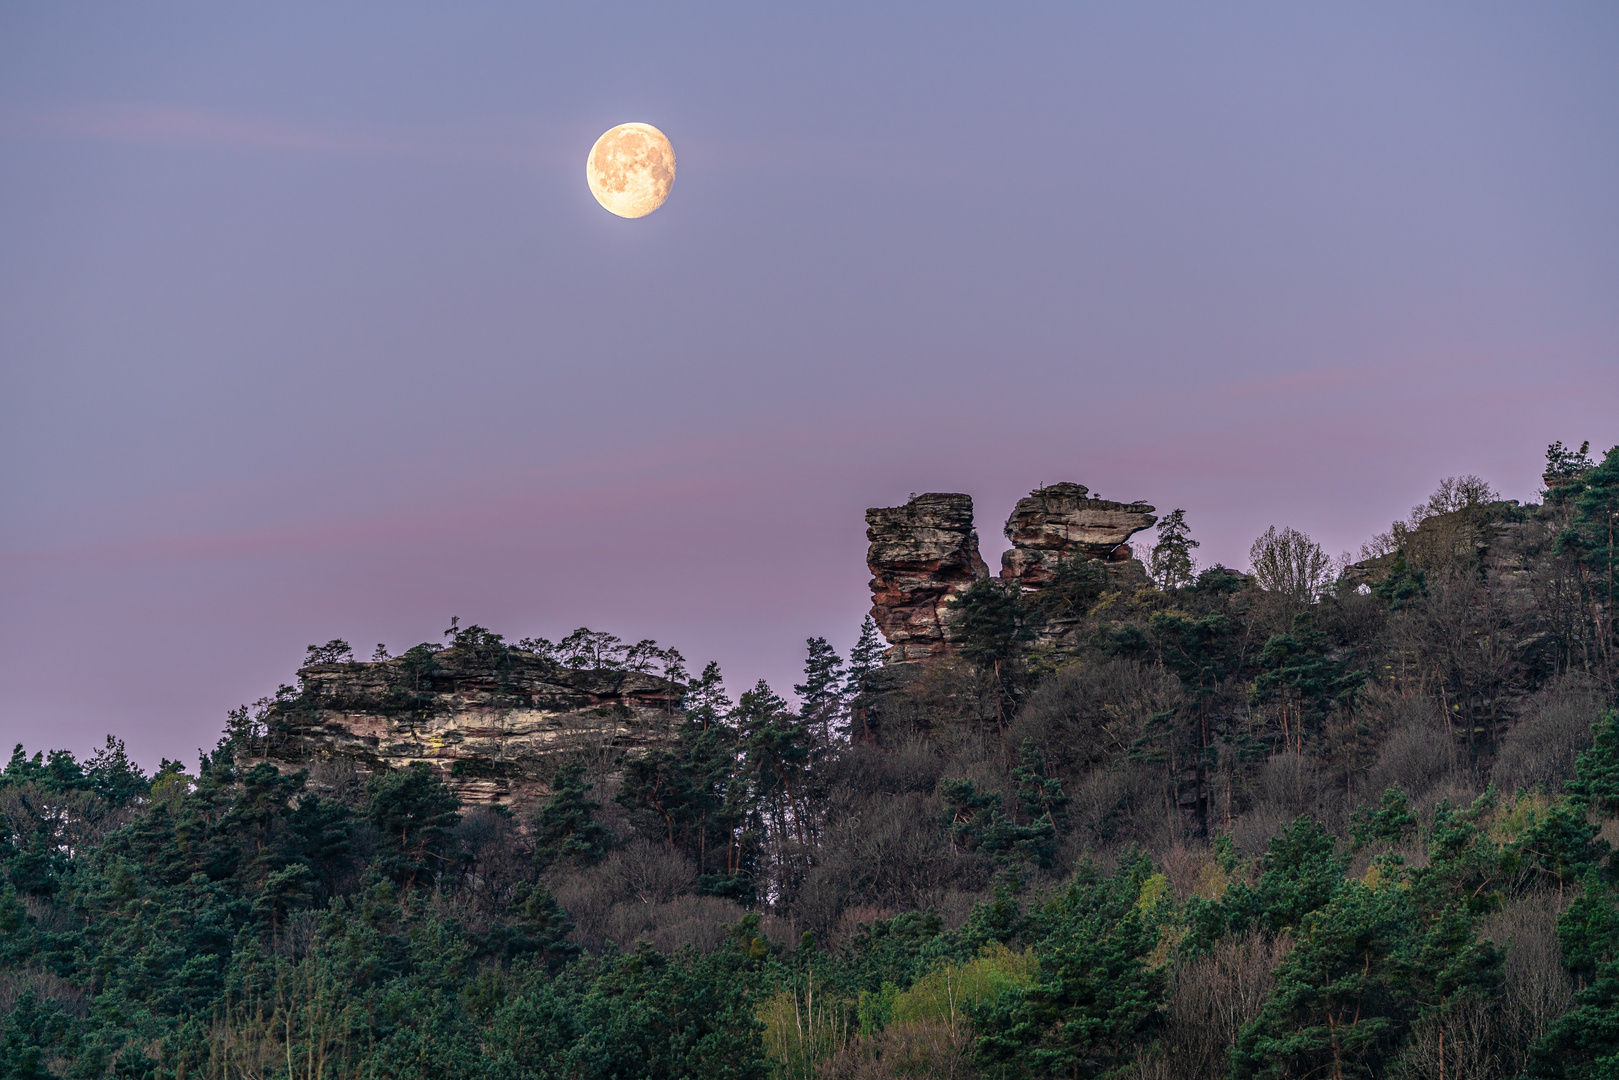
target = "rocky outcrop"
x: 925, y: 553
x: 490, y: 721
x: 1062, y: 522
x: 922, y: 556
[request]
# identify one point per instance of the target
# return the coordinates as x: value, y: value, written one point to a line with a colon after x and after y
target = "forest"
x: 1347, y: 817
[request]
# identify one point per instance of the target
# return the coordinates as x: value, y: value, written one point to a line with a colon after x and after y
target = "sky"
x: 310, y: 327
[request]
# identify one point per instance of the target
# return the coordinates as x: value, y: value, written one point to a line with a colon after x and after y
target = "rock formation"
x: 1063, y: 522
x: 922, y: 555
x: 488, y: 720
x: 925, y: 553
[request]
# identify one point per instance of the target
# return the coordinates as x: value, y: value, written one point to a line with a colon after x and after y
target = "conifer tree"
x: 565, y: 826
x: 706, y: 703
x: 1172, y: 565
x: 864, y: 659
x: 414, y: 812
x: 820, y: 695
x: 993, y: 623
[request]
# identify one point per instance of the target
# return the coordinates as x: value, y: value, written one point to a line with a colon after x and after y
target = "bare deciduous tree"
x: 1288, y: 562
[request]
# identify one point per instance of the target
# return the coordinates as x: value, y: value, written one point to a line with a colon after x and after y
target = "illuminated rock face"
x: 922, y: 556
x: 1063, y: 522
x: 489, y: 722
x: 925, y: 553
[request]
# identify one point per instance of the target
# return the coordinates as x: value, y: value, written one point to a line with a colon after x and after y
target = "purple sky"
x: 309, y: 326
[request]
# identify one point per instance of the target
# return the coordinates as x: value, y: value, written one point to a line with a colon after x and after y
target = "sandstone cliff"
x: 491, y: 721
x: 1062, y: 522
x: 922, y: 556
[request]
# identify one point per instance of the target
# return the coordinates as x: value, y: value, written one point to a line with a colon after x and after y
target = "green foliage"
x: 1040, y: 797
x: 335, y: 651
x: 1391, y: 822
x: 821, y: 693
x: 952, y: 991
x: 1403, y: 585
x: 1075, y: 584
x: 1301, y: 873
x: 1563, y: 462
x: 565, y: 826
x: 1218, y: 580
x: 1172, y: 566
x: 1096, y: 995
x: 1583, y: 1043
x: 1301, y: 671
x: 1363, y: 968
x: 1596, y: 783
x: 413, y: 811
x: 992, y: 622
x: 230, y: 920
x: 975, y: 820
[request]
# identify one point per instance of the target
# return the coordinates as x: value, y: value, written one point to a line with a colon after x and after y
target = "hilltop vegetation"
x: 1319, y: 819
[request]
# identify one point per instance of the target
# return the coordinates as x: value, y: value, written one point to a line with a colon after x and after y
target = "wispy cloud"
x: 152, y: 124
x: 158, y: 124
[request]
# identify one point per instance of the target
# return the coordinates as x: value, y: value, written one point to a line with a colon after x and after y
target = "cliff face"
x: 925, y: 553
x: 487, y: 720
x: 922, y: 556
x: 1061, y: 522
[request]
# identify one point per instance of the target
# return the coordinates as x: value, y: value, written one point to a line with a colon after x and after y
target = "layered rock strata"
x: 491, y: 722
x: 922, y: 556
x: 1062, y: 522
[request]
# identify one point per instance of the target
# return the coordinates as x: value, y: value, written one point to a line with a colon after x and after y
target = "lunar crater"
x: 631, y: 169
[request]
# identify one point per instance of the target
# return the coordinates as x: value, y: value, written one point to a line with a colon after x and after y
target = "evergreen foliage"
x: 1172, y: 566
x: 1209, y: 837
x: 565, y: 826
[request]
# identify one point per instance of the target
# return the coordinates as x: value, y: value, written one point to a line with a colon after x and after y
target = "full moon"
x: 630, y: 170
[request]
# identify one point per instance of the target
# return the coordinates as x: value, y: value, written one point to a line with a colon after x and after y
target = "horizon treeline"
x: 1315, y: 820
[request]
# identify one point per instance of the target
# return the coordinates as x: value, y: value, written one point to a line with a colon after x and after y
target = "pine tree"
x: 1172, y: 565
x: 820, y: 695
x: 1096, y: 997
x: 706, y: 703
x: 864, y: 659
x: 565, y: 826
x: 992, y: 624
x: 414, y: 812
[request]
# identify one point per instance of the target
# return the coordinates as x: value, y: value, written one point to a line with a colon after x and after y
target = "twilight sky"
x: 310, y: 328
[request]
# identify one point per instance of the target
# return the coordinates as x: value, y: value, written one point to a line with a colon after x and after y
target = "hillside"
x: 1104, y: 813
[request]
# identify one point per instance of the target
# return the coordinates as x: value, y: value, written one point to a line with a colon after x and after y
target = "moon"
x: 631, y: 169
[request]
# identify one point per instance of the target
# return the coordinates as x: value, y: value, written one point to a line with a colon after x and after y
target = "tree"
x: 1565, y: 469
x: 1172, y: 565
x: 565, y: 826
x: 820, y: 695
x: 992, y: 623
x: 413, y: 811
x: 1202, y: 652
x: 706, y: 703
x: 1290, y: 563
x: 976, y: 820
x: 1454, y: 493
x: 1403, y: 585
x: 864, y: 659
x: 1596, y: 782
x: 1591, y: 539
x: 1096, y: 997
x: 1364, y: 967
x: 1299, y: 670
x: 1583, y: 1043
x: 776, y: 751
x: 335, y: 651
